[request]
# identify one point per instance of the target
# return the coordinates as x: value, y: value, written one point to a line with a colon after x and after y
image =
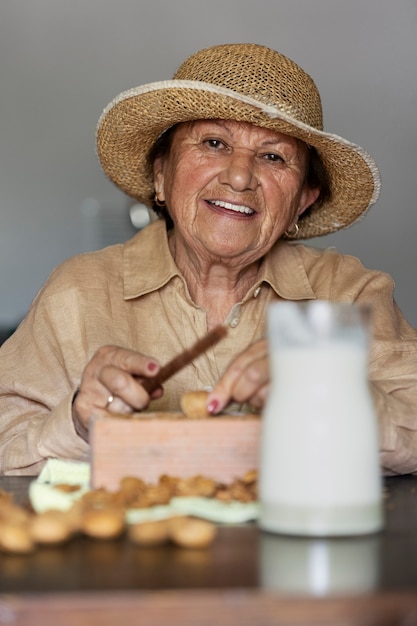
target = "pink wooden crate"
x: 221, y: 448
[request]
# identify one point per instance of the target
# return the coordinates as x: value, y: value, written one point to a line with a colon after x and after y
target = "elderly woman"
x: 232, y: 156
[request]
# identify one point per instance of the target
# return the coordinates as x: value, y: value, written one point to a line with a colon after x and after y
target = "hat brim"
x: 132, y: 122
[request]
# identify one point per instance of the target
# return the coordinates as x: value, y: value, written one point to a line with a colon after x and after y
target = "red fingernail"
x: 152, y: 366
x: 212, y: 406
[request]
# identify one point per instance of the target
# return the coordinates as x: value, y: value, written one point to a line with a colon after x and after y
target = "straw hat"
x: 243, y: 82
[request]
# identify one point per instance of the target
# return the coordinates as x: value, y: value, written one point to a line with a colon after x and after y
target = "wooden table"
x: 247, y: 577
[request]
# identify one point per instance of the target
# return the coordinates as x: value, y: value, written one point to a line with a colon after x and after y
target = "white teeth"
x: 239, y: 208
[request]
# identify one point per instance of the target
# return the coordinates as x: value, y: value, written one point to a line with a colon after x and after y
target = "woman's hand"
x: 245, y: 380
x: 111, y: 383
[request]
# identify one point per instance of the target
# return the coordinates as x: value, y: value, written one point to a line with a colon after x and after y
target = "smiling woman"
x: 232, y: 190
x: 232, y: 156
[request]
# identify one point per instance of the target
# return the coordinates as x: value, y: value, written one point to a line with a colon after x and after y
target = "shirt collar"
x: 284, y: 270
x: 147, y: 261
x: 148, y: 265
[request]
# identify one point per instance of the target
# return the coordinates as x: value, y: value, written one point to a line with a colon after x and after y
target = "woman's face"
x: 232, y: 188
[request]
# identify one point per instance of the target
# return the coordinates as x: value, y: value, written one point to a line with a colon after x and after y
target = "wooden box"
x: 149, y: 445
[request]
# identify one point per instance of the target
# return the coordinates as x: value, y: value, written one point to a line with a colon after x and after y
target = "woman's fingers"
x: 122, y: 359
x: 111, y: 383
x: 245, y: 380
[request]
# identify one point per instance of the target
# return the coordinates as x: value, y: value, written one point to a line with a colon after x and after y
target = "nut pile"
x: 100, y: 514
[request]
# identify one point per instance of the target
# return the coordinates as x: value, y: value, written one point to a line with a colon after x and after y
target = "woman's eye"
x: 214, y: 143
x: 272, y: 156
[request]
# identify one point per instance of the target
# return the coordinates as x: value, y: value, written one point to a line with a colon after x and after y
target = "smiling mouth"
x: 236, y: 208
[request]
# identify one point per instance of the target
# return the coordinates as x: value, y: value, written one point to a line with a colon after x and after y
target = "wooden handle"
x: 184, y: 358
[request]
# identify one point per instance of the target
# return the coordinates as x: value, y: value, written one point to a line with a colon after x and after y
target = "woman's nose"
x: 239, y: 172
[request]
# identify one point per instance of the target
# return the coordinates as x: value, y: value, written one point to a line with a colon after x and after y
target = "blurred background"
x: 61, y: 63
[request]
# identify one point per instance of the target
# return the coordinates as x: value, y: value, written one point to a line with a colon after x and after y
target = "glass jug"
x: 319, y: 465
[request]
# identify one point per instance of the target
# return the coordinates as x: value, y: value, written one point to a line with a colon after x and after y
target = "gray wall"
x: 61, y: 62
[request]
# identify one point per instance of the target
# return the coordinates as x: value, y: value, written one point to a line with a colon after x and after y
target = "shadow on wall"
x: 5, y: 333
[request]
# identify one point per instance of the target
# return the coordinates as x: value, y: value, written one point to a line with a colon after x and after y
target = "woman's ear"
x: 308, y: 197
x: 158, y: 179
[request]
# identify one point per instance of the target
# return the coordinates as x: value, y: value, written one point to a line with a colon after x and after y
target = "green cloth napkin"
x: 42, y: 492
x: 43, y: 496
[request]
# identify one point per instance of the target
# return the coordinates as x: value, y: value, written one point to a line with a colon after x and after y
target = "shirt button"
x: 234, y: 322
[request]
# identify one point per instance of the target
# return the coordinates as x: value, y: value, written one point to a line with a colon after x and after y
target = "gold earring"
x: 293, y: 232
x: 158, y: 202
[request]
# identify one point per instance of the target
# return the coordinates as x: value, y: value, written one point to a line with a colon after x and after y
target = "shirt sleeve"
x: 38, y: 376
x: 392, y: 358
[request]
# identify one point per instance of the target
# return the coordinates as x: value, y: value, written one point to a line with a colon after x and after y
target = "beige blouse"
x: 133, y: 295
